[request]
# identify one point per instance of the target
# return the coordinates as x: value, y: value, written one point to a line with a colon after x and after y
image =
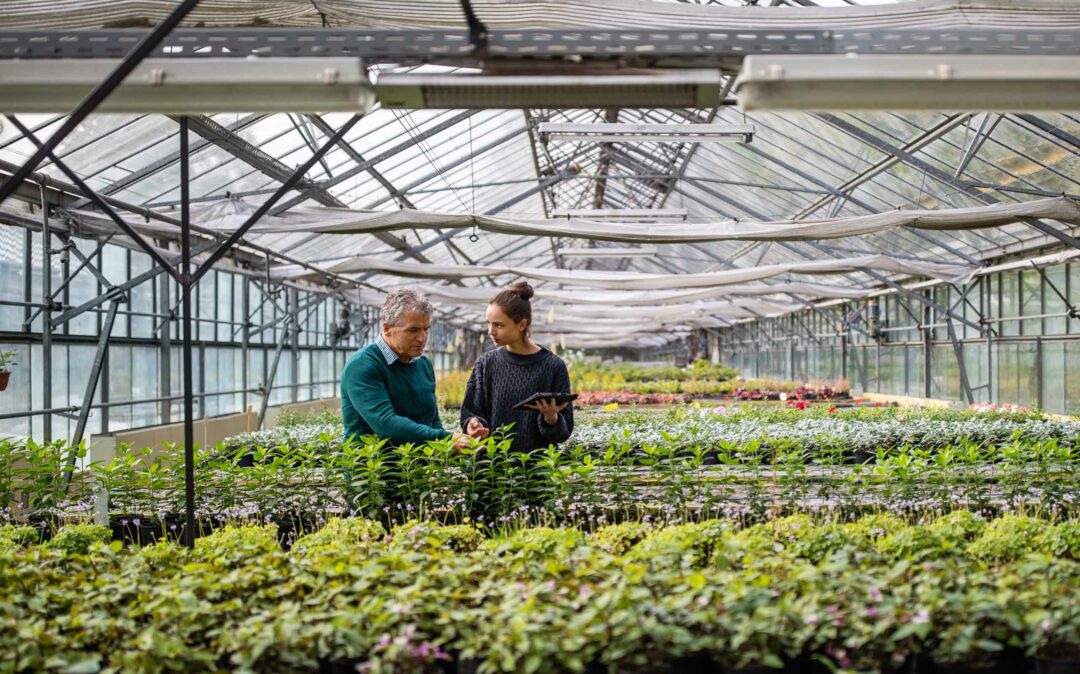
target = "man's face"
x: 409, y: 337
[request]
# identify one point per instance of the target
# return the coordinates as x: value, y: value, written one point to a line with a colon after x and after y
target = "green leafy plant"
x: 76, y: 539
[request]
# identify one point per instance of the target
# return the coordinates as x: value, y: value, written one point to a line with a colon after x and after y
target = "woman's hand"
x: 549, y: 408
x: 477, y: 430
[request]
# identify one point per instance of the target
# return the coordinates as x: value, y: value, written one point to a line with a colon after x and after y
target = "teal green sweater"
x: 394, y: 401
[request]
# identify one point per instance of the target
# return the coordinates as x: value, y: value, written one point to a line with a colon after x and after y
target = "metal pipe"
x: 46, y: 323
x: 186, y: 286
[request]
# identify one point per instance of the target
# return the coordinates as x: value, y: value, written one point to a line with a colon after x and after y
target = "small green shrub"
x: 1007, y: 538
x: 235, y: 545
x: 12, y: 536
x: 821, y: 542
x: 691, y: 545
x: 1063, y: 540
x: 340, y: 532
x: 913, y: 542
x: 77, y: 539
x: 415, y: 535
x: 870, y: 528
x: 959, y: 526
x: 538, y: 543
x: 619, y: 538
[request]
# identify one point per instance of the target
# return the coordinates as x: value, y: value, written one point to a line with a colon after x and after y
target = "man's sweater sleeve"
x: 367, y: 393
x: 476, y: 403
x: 562, y: 428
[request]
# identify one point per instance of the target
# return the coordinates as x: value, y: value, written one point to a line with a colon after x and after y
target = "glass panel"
x: 12, y: 276
x: 120, y: 383
x: 1031, y: 300
x: 915, y: 372
x: 114, y: 267
x: 142, y: 298
x: 1009, y: 301
x: 1053, y: 303
x: 945, y: 379
x: 207, y: 307
x: 1053, y: 377
x: 83, y: 288
x: 1072, y: 378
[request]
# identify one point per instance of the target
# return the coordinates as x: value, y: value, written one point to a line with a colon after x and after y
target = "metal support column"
x: 165, y: 353
x: 928, y: 350
x: 245, y: 339
x: 46, y: 318
x: 292, y: 302
x: 187, y: 286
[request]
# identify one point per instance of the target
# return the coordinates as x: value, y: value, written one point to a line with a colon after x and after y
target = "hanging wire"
x: 474, y: 237
x: 414, y: 133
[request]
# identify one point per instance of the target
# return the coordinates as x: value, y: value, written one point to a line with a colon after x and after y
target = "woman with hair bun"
x: 517, y: 369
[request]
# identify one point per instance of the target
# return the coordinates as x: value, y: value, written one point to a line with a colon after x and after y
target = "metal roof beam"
x: 938, y: 174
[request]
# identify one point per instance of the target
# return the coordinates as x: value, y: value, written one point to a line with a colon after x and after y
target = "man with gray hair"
x: 388, y: 388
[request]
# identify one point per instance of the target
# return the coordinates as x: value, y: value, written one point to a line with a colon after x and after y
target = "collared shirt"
x: 389, y: 353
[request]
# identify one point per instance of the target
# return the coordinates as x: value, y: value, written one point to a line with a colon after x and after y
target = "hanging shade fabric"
x: 343, y: 221
x: 652, y: 319
x: 499, y: 14
x: 744, y: 309
x: 470, y: 296
x: 951, y: 273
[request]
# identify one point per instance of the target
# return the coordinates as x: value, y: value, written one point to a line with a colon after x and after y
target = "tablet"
x: 559, y: 398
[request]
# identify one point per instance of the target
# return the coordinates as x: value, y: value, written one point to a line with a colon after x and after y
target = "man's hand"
x: 461, y: 440
x: 549, y: 408
x: 477, y: 430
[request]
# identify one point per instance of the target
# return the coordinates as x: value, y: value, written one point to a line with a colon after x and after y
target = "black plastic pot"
x: 699, y: 663
x: 339, y: 666
x: 123, y: 527
x: 858, y: 456
x: 751, y: 670
x: 1048, y: 666
x: 922, y: 664
x: 292, y: 527
x: 44, y: 528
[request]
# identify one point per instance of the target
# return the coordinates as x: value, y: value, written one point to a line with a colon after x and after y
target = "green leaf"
x: 772, y: 660
x: 88, y: 666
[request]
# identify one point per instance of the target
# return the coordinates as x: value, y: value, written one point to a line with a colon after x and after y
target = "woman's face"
x: 501, y: 329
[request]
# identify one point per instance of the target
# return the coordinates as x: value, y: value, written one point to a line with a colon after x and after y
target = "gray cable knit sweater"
x: 501, y: 379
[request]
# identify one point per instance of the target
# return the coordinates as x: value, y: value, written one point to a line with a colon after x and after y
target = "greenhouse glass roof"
x: 799, y: 166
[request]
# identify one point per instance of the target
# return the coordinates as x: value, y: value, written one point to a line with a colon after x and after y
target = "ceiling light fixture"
x: 652, y: 133
x: 182, y: 86
x: 990, y: 83
x: 626, y: 89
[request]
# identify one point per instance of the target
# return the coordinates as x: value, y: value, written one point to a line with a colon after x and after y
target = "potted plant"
x: 7, y: 358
